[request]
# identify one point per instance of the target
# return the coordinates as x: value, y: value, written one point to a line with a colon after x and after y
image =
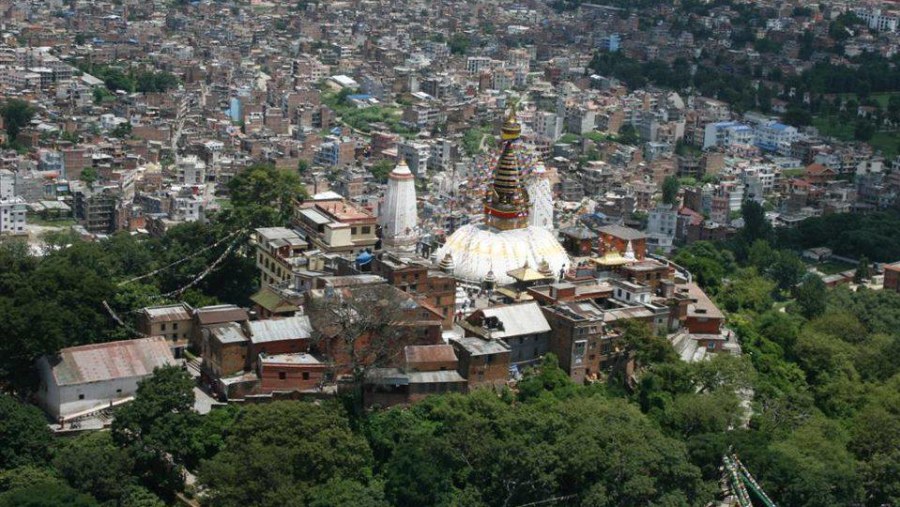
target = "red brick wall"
x: 270, y: 377
x: 892, y: 278
x: 278, y: 347
x: 709, y: 326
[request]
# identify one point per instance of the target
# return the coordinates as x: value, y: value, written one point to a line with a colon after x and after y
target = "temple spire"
x: 506, y: 204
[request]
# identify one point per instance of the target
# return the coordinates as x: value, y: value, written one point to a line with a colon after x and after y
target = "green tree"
x: 94, y: 465
x: 263, y: 196
x: 25, y: 476
x: 381, y: 169
x: 761, y: 255
x: 787, y: 270
x: 276, y: 454
x: 302, y: 166
x: 707, y: 262
x: 862, y: 272
x: 548, y: 377
x: 459, y: 43
x: 811, y: 296
x: 756, y: 226
x: 748, y: 291
x: 644, y: 345
x: 24, y: 436
x: 670, y: 190
x: 157, y: 428
x: 628, y: 135
x: 122, y: 131
x: 863, y: 131
x: 16, y: 114
x: 89, y: 175
x: 136, y: 496
x: 46, y: 494
x: 341, y: 492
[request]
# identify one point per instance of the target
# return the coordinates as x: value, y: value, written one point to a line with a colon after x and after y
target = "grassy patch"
x: 833, y: 267
x: 793, y: 173
x: 887, y: 142
x: 834, y: 126
x: 44, y: 222
x: 882, y: 97
x: 569, y: 138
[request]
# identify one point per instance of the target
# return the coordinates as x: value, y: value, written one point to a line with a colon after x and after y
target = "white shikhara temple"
x: 398, y: 217
x: 510, y: 236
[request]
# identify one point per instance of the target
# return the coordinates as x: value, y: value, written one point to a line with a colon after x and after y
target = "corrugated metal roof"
x: 168, y: 313
x: 387, y: 376
x: 106, y: 361
x: 291, y: 328
x: 429, y: 354
x: 622, y: 232
x: 434, y: 377
x: 230, y: 332
x: 518, y: 320
x: 221, y: 313
x: 480, y: 347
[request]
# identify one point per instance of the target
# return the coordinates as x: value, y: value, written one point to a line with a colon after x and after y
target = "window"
x: 306, y: 375
x: 118, y: 391
x: 162, y: 327
x: 353, y: 231
x: 366, y: 230
x: 175, y: 326
x: 80, y: 396
x: 282, y: 375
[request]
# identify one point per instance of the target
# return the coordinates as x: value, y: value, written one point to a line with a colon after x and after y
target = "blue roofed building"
x: 725, y: 134
x: 776, y: 137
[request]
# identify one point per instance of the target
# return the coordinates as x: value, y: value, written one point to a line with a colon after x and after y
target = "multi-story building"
x: 661, y: 226
x: 727, y: 134
x: 191, y: 170
x: 476, y: 64
x: 892, y: 277
x: 96, y: 208
x: 441, y: 155
x: 335, y: 225
x: 415, y: 277
x: 579, y: 339
x: 12, y: 215
x: 776, y: 137
x: 878, y: 19
x: 336, y: 153
x: 548, y: 126
x: 278, y: 251
x: 173, y: 322
x: 416, y: 156
x: 522, y: 327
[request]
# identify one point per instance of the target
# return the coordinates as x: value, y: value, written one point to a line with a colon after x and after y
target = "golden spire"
x: 511, y: 128
x: 506, y: 205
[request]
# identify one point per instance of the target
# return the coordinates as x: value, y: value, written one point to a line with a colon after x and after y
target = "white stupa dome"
x: 478, y: 249
x: 506, y: 240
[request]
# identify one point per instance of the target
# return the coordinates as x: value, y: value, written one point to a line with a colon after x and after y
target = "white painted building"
x: 661, y: 225
x: 415, y: 155
x: 399, y: 218
x: 878, y: 19
x: 548, y: 125
x: 727, y: 134
x: 12, y: 215
x: 88, y: 378
x: 191, y: 170
x: 777, y: 137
